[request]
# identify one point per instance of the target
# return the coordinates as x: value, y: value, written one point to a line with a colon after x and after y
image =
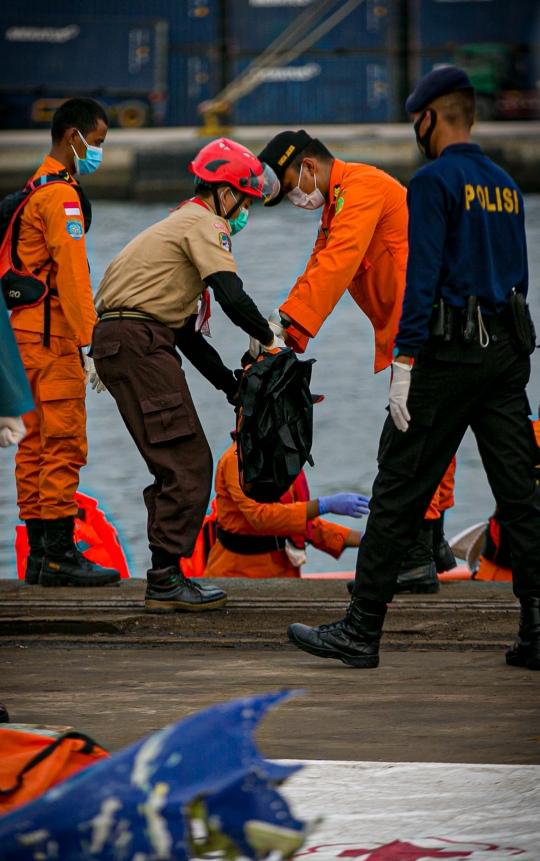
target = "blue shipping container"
x: 193, y: 78
x: 436, y: 23
x: 254, y: 24
x: 83, y: 54
x: 321, y: 88
x: 190, y: 21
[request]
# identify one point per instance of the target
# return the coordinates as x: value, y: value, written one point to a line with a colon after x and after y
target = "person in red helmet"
x: 154, y: 298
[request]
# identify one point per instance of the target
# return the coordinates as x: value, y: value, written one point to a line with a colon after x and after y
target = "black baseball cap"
x: 280, y: 152
x: 440, y: 82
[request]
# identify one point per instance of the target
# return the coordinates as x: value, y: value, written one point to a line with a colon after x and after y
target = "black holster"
x: 522, y: 325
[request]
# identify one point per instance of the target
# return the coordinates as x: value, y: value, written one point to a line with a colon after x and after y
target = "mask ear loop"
x: 237, y: 204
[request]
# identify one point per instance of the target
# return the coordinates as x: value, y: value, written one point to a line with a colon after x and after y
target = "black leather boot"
x: 353, y: 640
x: 526, y: 650
x: 168, y: 591
x: 64, y: 565
x: 418, y: 573
x: 35, y: 531
x: 442, y: 555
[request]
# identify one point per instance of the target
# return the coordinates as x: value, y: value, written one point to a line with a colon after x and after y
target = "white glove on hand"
x: 91, y: 375
x: 275, y: 323
x: 256, y: 348
x: 399, y: 392
x: 12, y: 430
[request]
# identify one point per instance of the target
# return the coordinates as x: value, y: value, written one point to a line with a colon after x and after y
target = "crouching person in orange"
x: 264, y: 540
x: 47, y: 241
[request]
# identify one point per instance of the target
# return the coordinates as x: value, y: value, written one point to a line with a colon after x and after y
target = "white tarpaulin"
x: 407, y: 811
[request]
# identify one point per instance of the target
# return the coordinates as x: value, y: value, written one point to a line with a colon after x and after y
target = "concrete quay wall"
x: 151, y: 164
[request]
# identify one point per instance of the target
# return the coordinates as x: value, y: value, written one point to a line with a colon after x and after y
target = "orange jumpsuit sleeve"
x: 329, y: 537
x: 267, y: 518
x: 67, y: 247
x: 332, y: 266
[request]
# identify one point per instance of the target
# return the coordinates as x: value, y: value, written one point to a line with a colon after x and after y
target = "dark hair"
x: 81, y: 114
x: 458, y: 109
x: 314, y: 149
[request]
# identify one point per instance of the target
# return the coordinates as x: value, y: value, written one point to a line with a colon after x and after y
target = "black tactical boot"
x: 353, y: 640
x: 526, y: 650
x: 418, y: 573
x: 168, y: 591
x: 64, y: 565
x: 442, y: 555
x: 35, y: 530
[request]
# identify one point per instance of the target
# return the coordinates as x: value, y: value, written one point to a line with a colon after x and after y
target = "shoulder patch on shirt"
x: 74, y: 228
x: 337, y: 189
x: 72, y: 208
x: 339, y: 205
x: 225, y: 241
x: 220, y: 226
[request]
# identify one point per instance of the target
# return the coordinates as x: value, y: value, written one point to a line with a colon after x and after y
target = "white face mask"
x: 306, y: 201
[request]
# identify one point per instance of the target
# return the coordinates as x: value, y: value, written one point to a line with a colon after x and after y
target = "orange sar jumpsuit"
x: 53, y: 451
x: 236, y: 513
x: 361, y: 247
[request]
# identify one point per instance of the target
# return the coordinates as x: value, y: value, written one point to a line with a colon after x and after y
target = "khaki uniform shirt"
x: 161, y: 272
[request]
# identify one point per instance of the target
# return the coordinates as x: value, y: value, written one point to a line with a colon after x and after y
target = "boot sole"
x: 48, y: 580
x: 526, y: 663
x: 156, y: 607
x: 366, y: 663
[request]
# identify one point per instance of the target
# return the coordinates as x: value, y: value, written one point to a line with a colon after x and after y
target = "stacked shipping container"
x: 154, y: 61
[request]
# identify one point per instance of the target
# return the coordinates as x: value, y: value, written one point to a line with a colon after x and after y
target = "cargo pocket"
x: 31, y: 348
x: 108, y: 364
x: 401, y: 452
x: 166, y: 418
x: 64, y: 413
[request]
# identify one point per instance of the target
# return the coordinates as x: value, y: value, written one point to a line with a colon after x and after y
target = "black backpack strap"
x: 89, y: 745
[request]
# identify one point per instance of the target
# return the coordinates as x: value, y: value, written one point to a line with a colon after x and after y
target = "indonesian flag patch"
x: 72, y: 208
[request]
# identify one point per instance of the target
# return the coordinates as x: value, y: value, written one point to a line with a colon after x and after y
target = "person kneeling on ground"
x: 265, y: 540
x: 154, y: 298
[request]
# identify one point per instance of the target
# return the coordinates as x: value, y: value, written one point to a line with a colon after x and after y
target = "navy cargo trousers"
x: 454, y: 387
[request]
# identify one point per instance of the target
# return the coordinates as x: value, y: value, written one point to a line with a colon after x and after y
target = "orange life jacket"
x: 34, y: 759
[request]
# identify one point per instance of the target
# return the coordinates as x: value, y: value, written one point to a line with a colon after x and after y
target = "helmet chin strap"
x: 218, y: 204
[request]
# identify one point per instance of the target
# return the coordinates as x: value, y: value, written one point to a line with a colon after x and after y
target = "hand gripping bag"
x: 274, y: 424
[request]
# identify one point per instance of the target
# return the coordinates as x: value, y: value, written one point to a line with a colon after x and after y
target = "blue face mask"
x: 92, y: 159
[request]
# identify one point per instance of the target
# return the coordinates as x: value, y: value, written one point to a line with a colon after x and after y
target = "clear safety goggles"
x: 268, y: 183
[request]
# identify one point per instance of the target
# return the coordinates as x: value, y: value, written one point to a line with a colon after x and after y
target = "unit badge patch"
x: 220, y: 226
x: 339, y: 205
x: 74, y: 228
x: 225, y: 242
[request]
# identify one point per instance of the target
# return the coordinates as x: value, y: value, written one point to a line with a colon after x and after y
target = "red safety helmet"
x: 225, y: 161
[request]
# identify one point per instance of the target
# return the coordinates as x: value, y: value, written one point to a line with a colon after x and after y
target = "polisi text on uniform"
x: 494, y: 200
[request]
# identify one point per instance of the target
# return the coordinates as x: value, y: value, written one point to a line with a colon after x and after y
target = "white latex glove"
x: 399, y: 392
x: 256, y: 348
x: 274, y: 321
x: 12, y: 430
x: 92, y: 376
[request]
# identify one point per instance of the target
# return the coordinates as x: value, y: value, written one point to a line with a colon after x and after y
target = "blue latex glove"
x: 353, y: 504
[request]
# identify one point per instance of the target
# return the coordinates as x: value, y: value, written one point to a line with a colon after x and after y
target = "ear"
x: 310, y: 166
x: 72, y: 136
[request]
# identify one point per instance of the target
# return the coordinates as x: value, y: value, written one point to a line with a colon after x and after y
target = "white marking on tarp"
x: 414, y: 811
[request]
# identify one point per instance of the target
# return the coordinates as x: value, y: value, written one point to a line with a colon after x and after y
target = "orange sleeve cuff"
x: 302, y: 315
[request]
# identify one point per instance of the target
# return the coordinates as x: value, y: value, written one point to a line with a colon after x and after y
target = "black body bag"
x: 274, y: 424
x: 524, y: 331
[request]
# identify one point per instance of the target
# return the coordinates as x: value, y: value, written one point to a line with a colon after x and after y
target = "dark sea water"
x: 271, y: 253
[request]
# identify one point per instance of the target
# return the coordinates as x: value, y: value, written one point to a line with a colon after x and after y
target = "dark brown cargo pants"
x: 138, y: 363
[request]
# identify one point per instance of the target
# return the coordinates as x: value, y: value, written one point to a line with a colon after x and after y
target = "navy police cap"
x: 440, y: 82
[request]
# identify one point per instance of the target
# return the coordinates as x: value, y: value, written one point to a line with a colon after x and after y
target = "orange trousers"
x: 444, y: 495
x: 54, y: 449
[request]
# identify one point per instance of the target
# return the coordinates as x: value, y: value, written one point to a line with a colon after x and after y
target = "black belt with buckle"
x: 127, y: 314
x: 250, y: 545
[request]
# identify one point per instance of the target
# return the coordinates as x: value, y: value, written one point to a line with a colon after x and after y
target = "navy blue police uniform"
x: 467, y: 254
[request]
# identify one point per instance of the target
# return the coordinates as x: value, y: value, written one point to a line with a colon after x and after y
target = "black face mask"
x: 424, y: 141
